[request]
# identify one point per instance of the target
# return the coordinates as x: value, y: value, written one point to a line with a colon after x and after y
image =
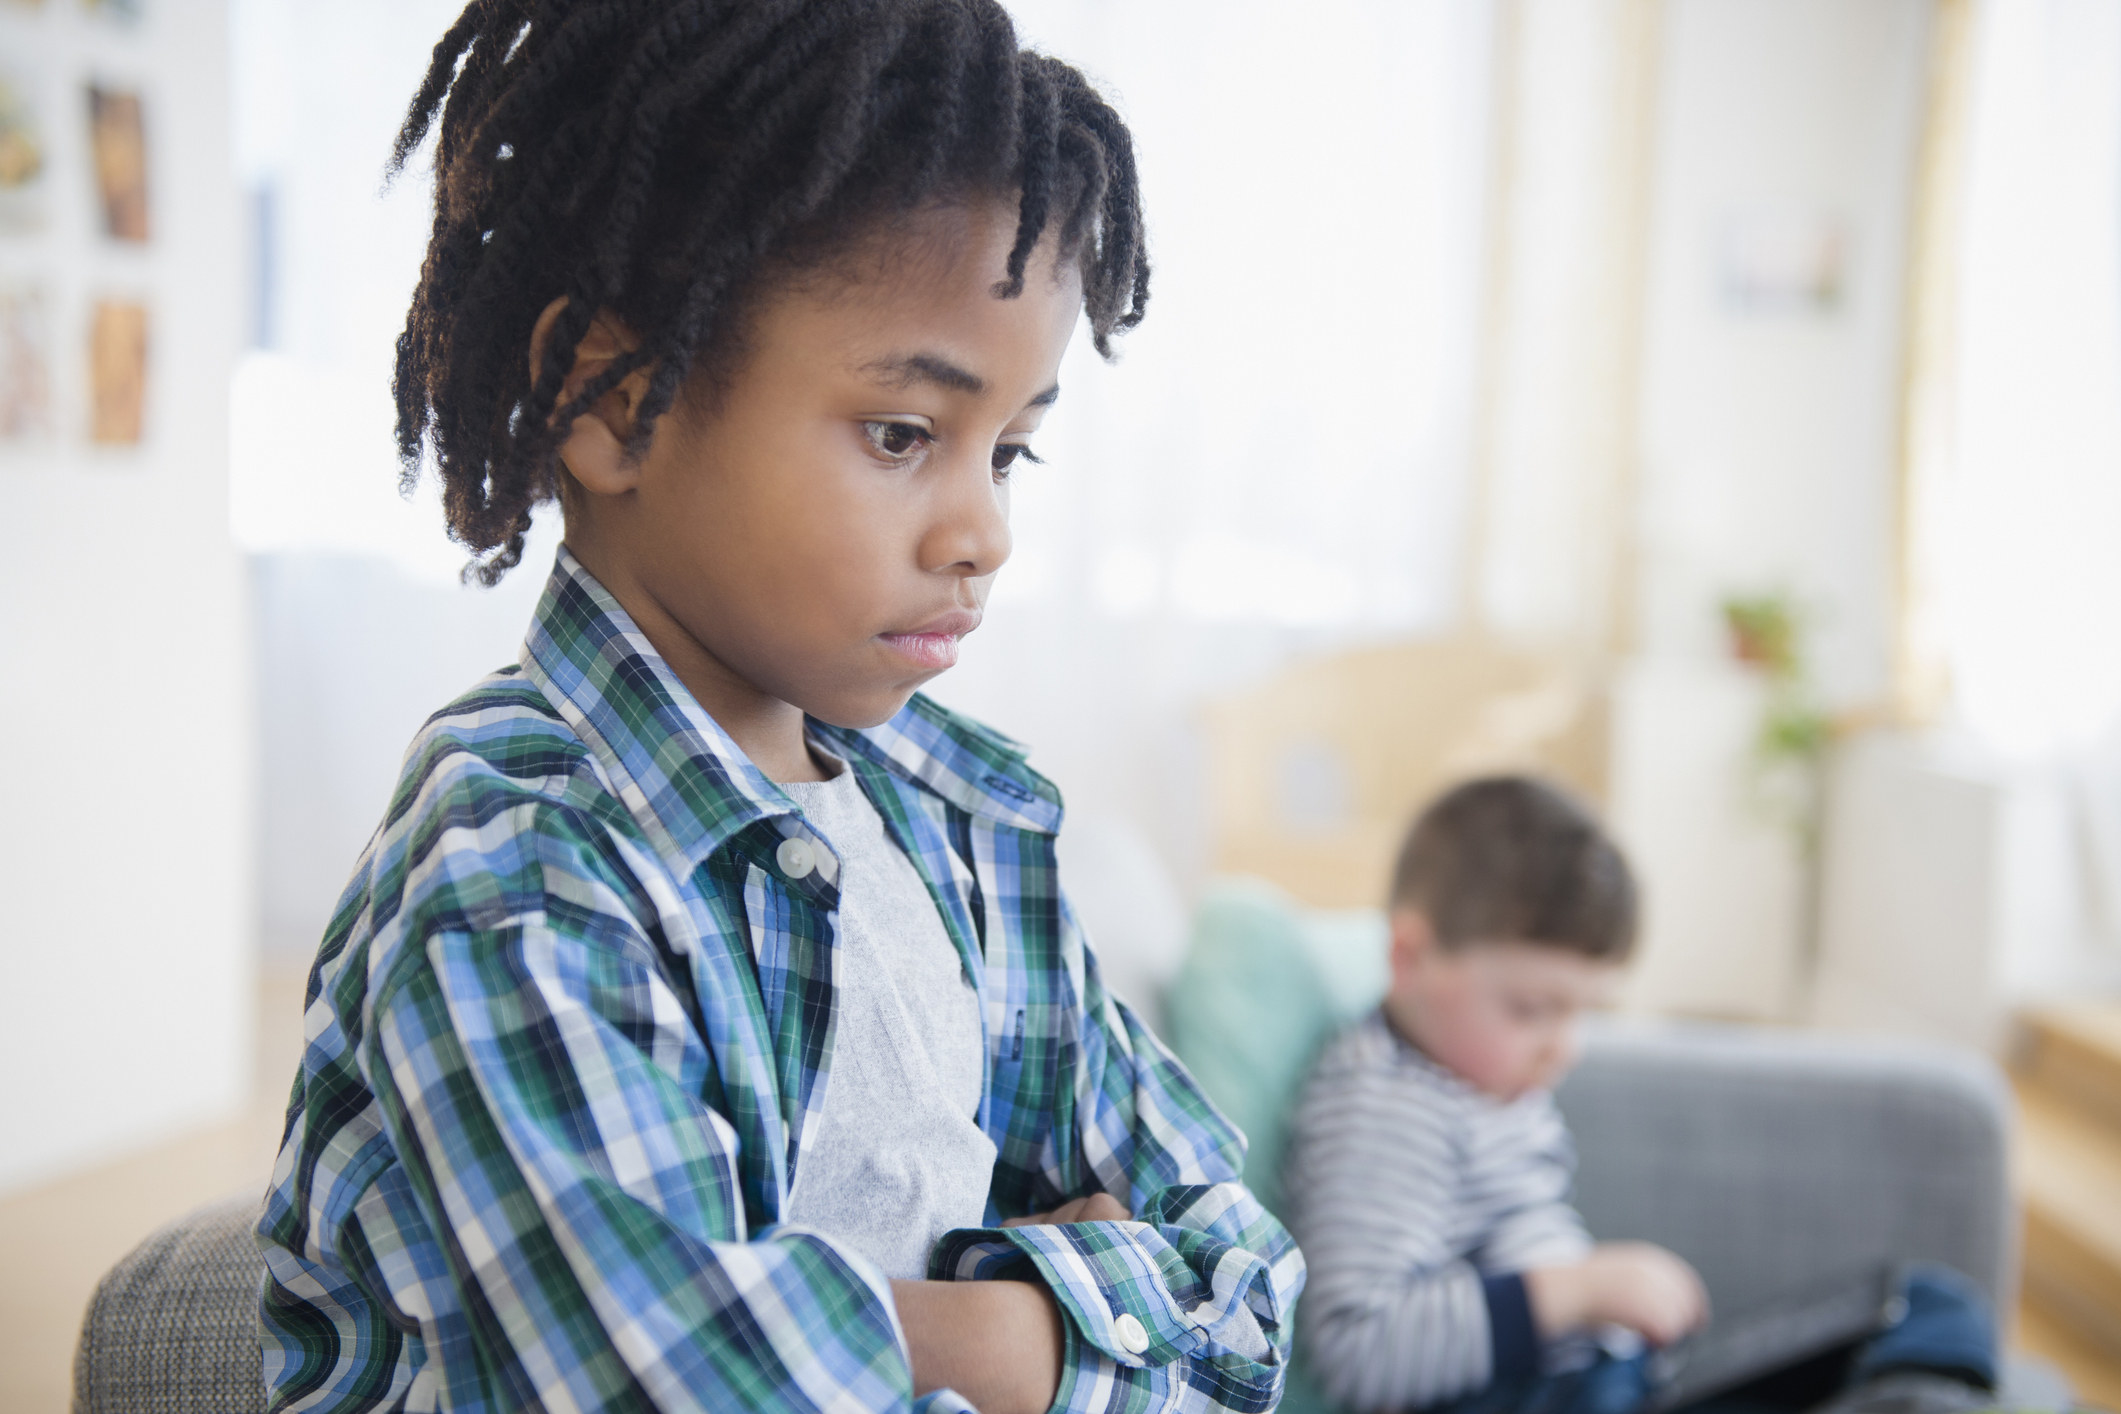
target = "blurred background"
x: 1713, y: 403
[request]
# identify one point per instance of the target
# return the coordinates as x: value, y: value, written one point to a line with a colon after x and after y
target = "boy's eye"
x: 1008, y: 454
x: 895, y: 440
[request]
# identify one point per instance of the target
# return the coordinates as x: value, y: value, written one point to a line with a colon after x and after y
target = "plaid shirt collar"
x: 686, y: 781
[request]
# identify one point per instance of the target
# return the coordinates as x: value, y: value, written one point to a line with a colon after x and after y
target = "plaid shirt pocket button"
x: 1129, y: 1333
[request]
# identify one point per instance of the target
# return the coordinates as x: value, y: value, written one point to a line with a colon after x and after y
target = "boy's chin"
x: 859, y: 711
x: 1517, y: 1087
x: 1496, y: 1085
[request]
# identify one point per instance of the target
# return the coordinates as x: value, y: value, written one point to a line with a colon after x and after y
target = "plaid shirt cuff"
x: 1132, y: 1300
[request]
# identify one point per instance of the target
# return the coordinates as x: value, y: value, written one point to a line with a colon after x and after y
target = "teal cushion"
x: 1265, y: 982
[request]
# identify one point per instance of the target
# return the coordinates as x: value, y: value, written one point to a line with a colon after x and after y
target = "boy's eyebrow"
x: 906, y: 370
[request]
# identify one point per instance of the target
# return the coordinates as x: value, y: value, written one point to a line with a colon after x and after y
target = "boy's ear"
x: 594, y: 448
x: 1413, y: 940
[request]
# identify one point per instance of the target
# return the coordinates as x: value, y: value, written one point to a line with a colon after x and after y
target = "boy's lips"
x: 933, y: 644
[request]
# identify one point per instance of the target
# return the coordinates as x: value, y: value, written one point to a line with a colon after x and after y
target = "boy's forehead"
x: 952, y: 334
x: 1535, y: 962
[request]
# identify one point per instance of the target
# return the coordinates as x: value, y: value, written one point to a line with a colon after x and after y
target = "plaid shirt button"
x: 796, y: 858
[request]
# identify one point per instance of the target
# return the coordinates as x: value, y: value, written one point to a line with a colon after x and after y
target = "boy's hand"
x: 997, y: 1343
x: 1097, y: 1208
x: 1632, y: 1284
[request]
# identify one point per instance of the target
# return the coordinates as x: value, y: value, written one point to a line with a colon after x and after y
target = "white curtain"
x: 2030, y: 568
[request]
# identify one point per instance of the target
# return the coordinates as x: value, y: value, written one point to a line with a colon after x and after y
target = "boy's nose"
x: 969, y: 534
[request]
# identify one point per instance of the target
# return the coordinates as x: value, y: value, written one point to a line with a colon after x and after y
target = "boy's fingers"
x: 1097, y: 1208
x: 1102, y: 1208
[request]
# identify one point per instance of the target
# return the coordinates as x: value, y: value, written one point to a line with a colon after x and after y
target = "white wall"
x: 126, y: 939
x: 354, y: 653
x: 1768, y: 450
x: 1956, y: 890
x: 1769, y: 433
x: 345, y: 255
x: 1724, y: 891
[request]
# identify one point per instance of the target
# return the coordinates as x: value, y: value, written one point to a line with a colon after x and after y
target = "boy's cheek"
x: 1551, y: 1056
x: 1528, y: 1059
x: 1495, y: 1060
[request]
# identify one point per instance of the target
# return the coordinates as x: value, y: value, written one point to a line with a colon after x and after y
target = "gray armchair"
x: 173, y: 1328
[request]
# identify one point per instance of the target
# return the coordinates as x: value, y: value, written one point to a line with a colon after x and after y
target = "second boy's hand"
x: 997, y: 1343
x: 1634, y: 1284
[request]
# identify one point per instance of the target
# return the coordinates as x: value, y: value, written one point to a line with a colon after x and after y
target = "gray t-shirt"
x: 897, y: 1157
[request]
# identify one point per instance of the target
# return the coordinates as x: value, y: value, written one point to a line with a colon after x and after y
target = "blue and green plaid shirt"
x: 571, y: 1027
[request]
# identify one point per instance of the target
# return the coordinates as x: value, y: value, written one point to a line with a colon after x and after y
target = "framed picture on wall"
x: 24, y: 156
x: 1784, y: 261
x: 25, y: 364
x: 118, y: 139
x: 117, y: 372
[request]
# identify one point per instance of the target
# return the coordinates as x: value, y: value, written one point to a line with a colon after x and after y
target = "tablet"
x: 1735, y: 1352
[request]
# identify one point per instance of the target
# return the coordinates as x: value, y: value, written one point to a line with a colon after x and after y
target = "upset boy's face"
x: 826, y: 532
x: 1500, y: 1015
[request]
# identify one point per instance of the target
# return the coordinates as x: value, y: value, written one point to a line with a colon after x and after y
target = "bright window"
x: 2031, y: 562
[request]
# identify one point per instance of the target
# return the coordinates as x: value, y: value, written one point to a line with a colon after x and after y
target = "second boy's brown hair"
x: 1512, y: 858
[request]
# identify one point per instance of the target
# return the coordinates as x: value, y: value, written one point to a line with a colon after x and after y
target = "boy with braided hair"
x: 705, y: 1027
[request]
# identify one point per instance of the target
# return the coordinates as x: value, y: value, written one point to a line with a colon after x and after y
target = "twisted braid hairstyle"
x: 665, y: 159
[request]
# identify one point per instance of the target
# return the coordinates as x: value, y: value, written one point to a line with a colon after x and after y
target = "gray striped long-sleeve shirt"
x: 1418, y: 1202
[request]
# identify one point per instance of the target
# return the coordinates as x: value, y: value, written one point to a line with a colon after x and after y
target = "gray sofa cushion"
x: 173, y: 1329
x: 1780, y: 1162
